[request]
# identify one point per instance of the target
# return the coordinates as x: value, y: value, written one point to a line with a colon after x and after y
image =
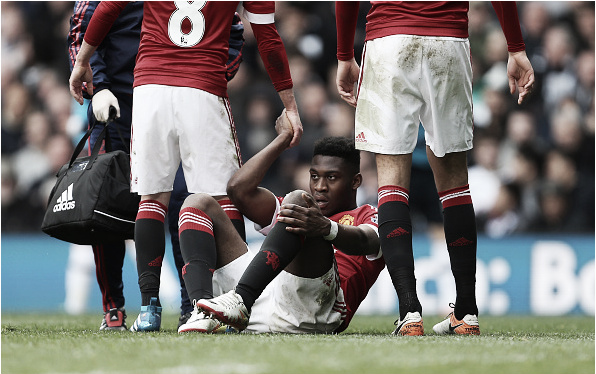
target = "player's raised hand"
x: 347, y: 76
x: 80, y: 74
x: 520, y: 74
x: 284, y: 128
x: 296, y: 123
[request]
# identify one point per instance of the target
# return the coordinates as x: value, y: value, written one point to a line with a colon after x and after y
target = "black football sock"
x: 277, y: 251
x: 395, y: 234
x: 461, y: 238
x: 197, y: 245
x: 235, y: 216
x: 150, y: 243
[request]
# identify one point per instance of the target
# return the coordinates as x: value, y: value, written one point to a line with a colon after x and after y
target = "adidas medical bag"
x: 91, y: 202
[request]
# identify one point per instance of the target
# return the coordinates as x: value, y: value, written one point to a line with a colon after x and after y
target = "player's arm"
x: 103, y: 98
x: 360, y: 240
x: 235, y: 45
x: 519, y: 68
x: 273, y: 54
x: 309, y: 221
x: 104, y: 16
x: 257, y: 203
x: 346, y: 14
x: 82, y: 13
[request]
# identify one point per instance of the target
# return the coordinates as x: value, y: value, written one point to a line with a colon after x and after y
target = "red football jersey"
x: 426, y: 18
x: 186, y: 44
x: 357, y: 273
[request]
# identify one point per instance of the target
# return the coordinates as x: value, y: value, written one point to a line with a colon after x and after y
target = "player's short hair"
x: 339, y: 146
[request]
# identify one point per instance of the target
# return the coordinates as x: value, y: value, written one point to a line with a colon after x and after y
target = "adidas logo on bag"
x: 65, y: 201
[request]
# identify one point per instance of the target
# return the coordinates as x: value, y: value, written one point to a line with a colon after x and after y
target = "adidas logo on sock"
x: 398, y: 232
x: 360, y: 138
x: 65, y: 201
x: 157, y: 262
x: 460, y: 242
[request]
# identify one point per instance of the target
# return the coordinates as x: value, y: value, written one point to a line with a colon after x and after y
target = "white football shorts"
x: 289, y: 304
x: 406, y: 80
x: 181, y: 124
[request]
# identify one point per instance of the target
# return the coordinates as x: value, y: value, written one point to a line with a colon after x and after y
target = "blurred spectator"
x: 504, y: 217
x: 526, y: 173
x: 483, y: 176
x: 520, y: 129
x: 17, y: 43
x: 555, y: 211
x: 557, y: 77
x: 30, y: 162
x: 557, y: 124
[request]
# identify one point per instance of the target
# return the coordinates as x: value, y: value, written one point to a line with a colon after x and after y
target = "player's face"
x: 333, y: 184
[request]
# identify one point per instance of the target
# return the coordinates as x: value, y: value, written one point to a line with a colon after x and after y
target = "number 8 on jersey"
x: 192, y: 11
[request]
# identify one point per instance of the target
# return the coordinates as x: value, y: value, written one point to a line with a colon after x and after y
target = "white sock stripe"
x: 182, y: 221
x: 153, y: 207
x: 455, y: 194
x: 148, y: 209
x: 383, y: 194
x: 229, y: 207
x: 194, y: 218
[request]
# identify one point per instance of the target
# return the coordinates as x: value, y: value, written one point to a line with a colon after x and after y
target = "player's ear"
x: 356, y: 181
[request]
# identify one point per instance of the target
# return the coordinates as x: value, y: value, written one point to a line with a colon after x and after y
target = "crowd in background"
x: 531, y: 169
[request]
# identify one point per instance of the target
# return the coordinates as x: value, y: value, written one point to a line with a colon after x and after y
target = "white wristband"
x: 332, y: 232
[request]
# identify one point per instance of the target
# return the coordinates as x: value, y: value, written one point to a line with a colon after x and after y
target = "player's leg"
x: 448, y: 122
x: 280, y: 250
x: 387, y: 122
x: 451, y: 178
x: 150, y: 246
x: 109, y: 258
x: 208, y: 241
x: 234, y: 215
x: 395, y: 235
x: 179, y: 194
x: 155, y: 157
x: 283, y: 250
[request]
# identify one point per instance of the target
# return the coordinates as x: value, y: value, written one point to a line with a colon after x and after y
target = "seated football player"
x: 320, y: 256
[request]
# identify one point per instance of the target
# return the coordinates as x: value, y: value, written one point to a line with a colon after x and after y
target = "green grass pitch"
x: 56, y: 343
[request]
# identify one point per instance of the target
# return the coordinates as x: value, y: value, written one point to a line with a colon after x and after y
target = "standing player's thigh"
x: 208, y: 143
x: 447, y: 87
x: 154, y: 155
x: 389, y: 101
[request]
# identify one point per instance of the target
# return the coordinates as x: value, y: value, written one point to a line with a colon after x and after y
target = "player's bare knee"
x: 201, y: 201
x: 295, y: 197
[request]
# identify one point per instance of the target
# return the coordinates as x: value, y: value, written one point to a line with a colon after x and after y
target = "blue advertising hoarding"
x: 526, y: 274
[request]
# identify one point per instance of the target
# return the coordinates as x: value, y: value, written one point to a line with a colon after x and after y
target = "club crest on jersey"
x: 347, y: 219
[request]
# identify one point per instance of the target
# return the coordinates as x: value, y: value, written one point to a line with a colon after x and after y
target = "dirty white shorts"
x: 406, y: 80
x: 289, y: 304
x: 181, y: 124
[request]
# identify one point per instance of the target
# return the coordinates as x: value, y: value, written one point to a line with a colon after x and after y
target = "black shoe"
x: 114, y: 319
x: 183, y: 319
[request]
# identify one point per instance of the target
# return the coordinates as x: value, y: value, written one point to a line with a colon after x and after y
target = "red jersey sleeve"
x: 346, y: 16
x: 509, y: 20
x: 271, y: 48
x: 102, y: 20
